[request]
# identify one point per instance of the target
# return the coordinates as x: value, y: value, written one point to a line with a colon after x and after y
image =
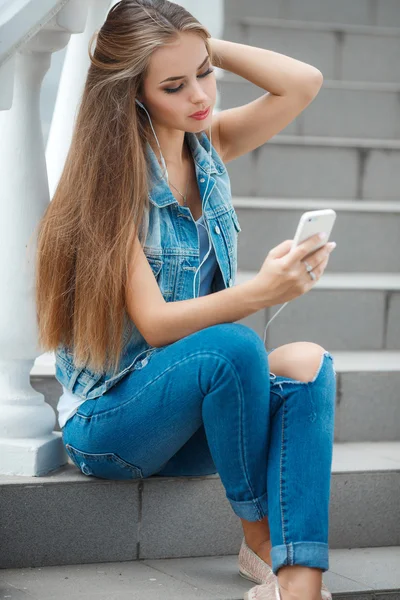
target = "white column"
x: 28, y: 444
x: 6, y: 84
x: 73, y: 77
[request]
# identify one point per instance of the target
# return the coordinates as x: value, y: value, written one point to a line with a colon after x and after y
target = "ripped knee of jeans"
x: 326, y: 359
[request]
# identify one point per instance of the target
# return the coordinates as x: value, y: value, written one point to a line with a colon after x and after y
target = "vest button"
x: 230, y: 283
x: 217, y: 229
x: 202, y: 180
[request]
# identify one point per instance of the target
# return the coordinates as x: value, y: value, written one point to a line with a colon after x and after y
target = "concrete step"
x: 368, y: 383
x: 300, y: 166
x: 341, y: 109
x: 367, y: 233
x: 67, y: 517
x: 355, y: 573
x: 384, y: 13
x: 338, y: 50
x: 354, y: 311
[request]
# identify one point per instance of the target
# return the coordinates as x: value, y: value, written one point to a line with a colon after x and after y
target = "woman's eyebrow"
x: 183, y: 76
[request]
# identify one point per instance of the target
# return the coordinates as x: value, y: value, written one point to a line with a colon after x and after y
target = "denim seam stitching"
x: 280, y: 474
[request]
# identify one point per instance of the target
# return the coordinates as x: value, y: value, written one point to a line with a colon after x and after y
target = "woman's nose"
x: 199, y: 97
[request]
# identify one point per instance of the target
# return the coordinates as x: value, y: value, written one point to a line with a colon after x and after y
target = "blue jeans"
x: 208, y: 403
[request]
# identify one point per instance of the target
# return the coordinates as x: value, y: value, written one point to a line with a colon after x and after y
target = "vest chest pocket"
x: 230, y: 228
x: 105, y: 466
x: 164, y: 271
x: 236, y: 221
x: 234, y: 259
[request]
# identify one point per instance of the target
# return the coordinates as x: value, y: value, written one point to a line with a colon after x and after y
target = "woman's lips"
x: 202, y: 115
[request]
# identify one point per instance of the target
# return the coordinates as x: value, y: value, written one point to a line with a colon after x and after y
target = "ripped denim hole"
x: 325, y: 354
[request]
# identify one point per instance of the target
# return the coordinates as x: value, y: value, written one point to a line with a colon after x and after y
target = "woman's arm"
x: 276, y: 73
x: 183, y: 317
x: 162, y: 322
x: 291, y: 85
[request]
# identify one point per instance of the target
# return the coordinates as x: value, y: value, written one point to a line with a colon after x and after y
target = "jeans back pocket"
x: 106, y: 465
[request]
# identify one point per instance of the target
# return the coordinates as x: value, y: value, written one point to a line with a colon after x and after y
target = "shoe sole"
x: 247, y: 575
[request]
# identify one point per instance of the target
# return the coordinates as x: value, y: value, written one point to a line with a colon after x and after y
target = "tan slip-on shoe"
x: 253, y: 568
x: 266, y: 591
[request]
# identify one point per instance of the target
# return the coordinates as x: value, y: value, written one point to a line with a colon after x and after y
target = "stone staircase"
x: 163, y: 538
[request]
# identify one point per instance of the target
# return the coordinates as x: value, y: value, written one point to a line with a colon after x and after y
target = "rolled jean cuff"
x: 306, y: 554
x: 251, y: 510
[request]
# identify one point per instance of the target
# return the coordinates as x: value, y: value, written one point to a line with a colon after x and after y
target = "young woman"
x: 158, y: 378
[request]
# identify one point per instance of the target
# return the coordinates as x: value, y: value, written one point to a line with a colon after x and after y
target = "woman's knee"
x: 301, y: 361
x: 237, y: 341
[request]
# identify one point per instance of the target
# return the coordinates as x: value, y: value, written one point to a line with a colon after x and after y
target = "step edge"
x: 347, y: 205
x: 344, y: 281
x: 341, y: 84
x: 69, y: 473
x: 331, y: 141
x: 319, y: 26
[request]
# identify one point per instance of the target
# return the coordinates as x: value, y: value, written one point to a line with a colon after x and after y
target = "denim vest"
x: 172, y: 250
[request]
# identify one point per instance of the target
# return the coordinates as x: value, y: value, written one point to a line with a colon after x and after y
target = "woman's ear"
x: 139, y: 94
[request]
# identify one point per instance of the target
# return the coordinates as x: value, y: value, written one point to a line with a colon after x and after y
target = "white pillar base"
x: 33, y: 457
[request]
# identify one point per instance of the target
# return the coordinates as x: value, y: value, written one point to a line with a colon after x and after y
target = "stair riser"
x: 337, y: 54
x: 383, y: 13
x: 91, y: 521
x: 334, y: 112
x: 336, y: 319
x: 367, y: 407
x: 367, y: 242
x: 286, y: 170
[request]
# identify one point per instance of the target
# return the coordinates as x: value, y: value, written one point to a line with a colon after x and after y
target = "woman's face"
x: 170, y: 103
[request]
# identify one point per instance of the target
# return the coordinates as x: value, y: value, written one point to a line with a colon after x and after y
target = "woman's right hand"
x: 283, y: 276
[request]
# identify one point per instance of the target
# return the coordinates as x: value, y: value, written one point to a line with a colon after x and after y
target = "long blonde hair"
x: 87, y: 232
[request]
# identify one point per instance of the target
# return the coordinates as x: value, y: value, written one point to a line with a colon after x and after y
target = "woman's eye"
x: 172, y: 90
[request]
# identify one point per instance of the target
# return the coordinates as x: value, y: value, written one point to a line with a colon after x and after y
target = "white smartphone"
x: 313, y: 222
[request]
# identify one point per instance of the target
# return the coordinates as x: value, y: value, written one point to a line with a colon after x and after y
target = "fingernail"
x: 323, y: 235
x: 332, y: 245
